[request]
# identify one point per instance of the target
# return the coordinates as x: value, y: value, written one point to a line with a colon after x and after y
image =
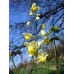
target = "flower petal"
x: 26, y: 44
x: 33, y: 43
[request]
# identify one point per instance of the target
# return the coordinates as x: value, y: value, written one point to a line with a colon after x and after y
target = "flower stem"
x: 36, y: 31
x: 36, y: 36
x: 55, y: 49
x: 13, y: 63
x: 56, y: 57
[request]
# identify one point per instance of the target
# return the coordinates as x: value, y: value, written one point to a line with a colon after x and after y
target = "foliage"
x: 44, y: 68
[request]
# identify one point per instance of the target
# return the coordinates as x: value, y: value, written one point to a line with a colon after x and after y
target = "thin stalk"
x: 36, y: 28
x: 37, y: 50
x: 13, y: 63
x: 36, y: 31
x: 56, y: 57
x: 32, y: 64
x: 26, y: 62
x: 55, y: 50
x: 36, y: 36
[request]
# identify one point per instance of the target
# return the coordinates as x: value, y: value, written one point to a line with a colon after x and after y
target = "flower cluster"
x: 34, y: 9
x: 33, y: 47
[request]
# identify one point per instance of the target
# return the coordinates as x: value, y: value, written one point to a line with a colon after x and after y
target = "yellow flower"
x: 32, y: 47
x: 43, y: 33
x: 34, y: 8
x: 31, y: 12
x: 38, y: 15
x: 27, y: 36
x: 37, y: 18
x: 43, y: 26
x: 41, y: 57
x: 37, y: 8
x: 47, y: 41
x: 28, y: 23
x: 31, y: 51
x: 33, y: 5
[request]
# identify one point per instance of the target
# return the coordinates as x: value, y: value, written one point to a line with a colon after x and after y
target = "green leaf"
x: 56, y: 37
x: 55, y: 28
x: 50, y: 31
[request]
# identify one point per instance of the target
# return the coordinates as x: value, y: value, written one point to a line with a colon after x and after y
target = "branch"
x: 62, y: 22
x: 52, y: 11
x: 22, y: 46
x: 59, y: 18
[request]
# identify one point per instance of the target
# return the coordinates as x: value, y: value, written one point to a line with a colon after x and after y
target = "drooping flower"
x: 37, y: 18
x: 34, y: 8
x: 43, y: 26
x: 33, y: 5
x: 27, y: 36
x: 43, y: 33
x: 33, y: 47
x: 28, y: 23
x: 30, y: 47
x: 46, y: 40
x: 38, y: 15
x: 41, y: 57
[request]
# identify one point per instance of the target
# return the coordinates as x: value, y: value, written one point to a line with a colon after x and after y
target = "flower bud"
x: 38, y: 15
x: 28, y: 23
x: 43, y: 33
x: 37, y: 18
x: 43, y: 26
x: 27, y: 37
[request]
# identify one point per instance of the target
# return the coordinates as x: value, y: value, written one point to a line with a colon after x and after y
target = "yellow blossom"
x: 33, y: 5
x: 28, y: 23
x: 43, y: 33
x: 37, y: 18
x: 47, y: 41
x: 30, y: 47
x: 31, y: 51
x: 38, y: 15
x: 41, y: 57
x: 27, y: 36
x: 43, y: 26
x: 33, y: 47
x: 34, y: 8
x: 37, y: 8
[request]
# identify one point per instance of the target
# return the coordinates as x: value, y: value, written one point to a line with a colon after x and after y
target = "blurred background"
x: 52, y: 13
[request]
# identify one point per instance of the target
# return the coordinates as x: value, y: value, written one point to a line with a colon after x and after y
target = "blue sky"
x: 22, y: 15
